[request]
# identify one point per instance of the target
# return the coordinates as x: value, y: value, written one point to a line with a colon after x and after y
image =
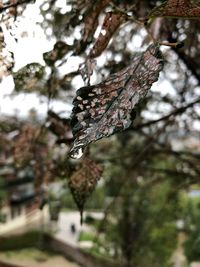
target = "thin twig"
x: 4, y: 8
x: 166, y: 117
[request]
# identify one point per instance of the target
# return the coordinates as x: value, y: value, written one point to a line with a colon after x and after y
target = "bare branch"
x: 4, y: 8
x: 166, y: 117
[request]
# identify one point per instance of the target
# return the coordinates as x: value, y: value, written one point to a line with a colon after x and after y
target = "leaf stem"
x: 174, y: 45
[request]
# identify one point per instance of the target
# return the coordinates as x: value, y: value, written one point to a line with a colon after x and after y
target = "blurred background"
x: 139, y: 190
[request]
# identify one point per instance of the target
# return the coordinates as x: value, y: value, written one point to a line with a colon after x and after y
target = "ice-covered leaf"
x: 111, y: 23
x: 176, y: 9
x: 103, y: 109
x: 83, y: 182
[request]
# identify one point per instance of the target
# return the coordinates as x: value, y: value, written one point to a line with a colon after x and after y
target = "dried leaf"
x: 60, y: 127
x: 6, y: 58
x: 176, y: 9
x: 111, y: 23
x: 23, y: 147
x: 13, y: 10
x: 59, y: 51
x: 83, y: 182
x: 91, y: 23
x: 106, y: 108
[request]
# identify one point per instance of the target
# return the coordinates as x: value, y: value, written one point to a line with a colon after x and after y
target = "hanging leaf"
x: 83, y: 182
x: 90, y: 23
x: 176, y: 9
x: 111, y: 23
x: 106, y: 108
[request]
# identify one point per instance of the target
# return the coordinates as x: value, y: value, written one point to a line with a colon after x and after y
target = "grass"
x: 95, y: 250
x: 28, y: 254
x: 32, y: 253
x: 33, y: 257
x: 86, y: 236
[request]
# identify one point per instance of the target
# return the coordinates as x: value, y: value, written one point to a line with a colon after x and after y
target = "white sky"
x: 26, y: 50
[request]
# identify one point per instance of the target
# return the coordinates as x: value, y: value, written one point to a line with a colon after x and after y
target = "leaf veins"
x: 104, y: 109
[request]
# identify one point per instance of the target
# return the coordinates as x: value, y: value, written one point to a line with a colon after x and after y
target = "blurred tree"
x: 192, y: 217
x: 140, y: 221
x: 2, y: 199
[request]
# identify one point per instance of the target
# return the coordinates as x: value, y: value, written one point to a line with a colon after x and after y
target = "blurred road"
x: 68, y: 228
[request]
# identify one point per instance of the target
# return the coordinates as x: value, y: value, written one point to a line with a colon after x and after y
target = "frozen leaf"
x: 176, y: 9
x: 90, y: 23
x: 106, y: 108
x: 111, y: 23
x: 83, y: 182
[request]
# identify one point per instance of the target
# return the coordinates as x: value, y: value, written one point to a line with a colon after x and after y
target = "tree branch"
x: 166, y: 117
x: 169, y: 172
x: 4, y: 8
x: 189, y: 64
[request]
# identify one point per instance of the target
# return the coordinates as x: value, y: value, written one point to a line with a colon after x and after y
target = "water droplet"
x: 76, y: 152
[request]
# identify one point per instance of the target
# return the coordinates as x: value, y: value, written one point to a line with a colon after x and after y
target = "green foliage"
x: 54, y: 209
x: 85, y: 236
x: 29, y: 239
x: 68, y: 201
x: 2, y: 191
x: 144, y: 207
x: 3, y: 195
x: 95, y: 202
x: 192, y: 219
x: 29, y: 253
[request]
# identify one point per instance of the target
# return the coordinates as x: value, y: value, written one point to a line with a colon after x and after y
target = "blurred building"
x: 19, y: 192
